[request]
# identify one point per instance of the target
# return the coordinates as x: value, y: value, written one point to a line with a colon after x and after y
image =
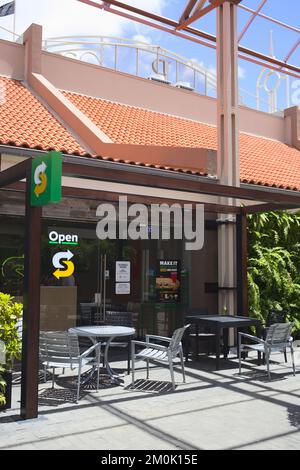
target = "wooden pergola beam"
x: 99, y: 195
x: 14, y: 173
x: 267, y: 207
x: 171, y: 180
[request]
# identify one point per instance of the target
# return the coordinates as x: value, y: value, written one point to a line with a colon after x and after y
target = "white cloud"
x: 241, y: 72
x: 70, y: 17
x: 212, y: 69
x: 141, y: 38
x: 155, y: 6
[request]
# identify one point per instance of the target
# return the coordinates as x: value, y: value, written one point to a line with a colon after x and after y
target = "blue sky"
x: 69, y: 17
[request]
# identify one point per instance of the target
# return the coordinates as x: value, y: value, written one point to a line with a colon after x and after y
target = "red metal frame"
x: 292, y: 50
x: 269, y: 18
x: 257, y: 13
x: 251, y: 19
x: 193, y: 34
x: 188, y: 9
x: 201, y: 12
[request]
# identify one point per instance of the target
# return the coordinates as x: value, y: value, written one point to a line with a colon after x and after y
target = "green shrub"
x: 2, y: 387
x: 10, y: 314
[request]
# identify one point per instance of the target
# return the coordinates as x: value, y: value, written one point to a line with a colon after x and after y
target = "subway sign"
x: 62, y: 261
x: 46, y: 172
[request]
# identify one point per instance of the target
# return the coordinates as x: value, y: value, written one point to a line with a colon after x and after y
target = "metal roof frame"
x: 194, y: 10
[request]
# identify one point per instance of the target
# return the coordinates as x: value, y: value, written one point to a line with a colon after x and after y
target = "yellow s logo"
x: 40, y: 179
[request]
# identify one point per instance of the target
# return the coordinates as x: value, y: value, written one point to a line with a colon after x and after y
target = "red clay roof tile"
x: 263, y: 161
x: 26, y: 122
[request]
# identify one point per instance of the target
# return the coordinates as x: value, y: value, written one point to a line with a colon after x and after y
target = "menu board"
x: 168, y: 282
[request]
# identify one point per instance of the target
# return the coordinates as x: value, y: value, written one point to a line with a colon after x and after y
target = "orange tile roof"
x: 269, y: 162
x: 129, y: 125
x: 25, y: 121
x: 263, y: 161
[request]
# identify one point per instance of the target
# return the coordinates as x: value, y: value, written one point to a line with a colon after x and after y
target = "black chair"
x: 197, y: 333
x: 276, y: 316
x: 85, y: 313
x: 120, y: 319
x: 86, y: 318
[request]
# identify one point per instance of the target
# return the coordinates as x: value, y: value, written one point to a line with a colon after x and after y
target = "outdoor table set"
x: 221, y: 323
x: 65, y: 349
x: 109, y: 332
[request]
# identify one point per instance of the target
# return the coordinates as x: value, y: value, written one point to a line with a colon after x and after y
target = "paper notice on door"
x: 123, y: 288
x: 122, y: 271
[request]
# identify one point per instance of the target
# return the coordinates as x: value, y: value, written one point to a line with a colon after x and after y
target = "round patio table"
x: 105, y: 331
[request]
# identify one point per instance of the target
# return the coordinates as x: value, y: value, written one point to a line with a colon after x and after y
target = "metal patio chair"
x: 278, y: 338
x: 153, y: 352
x: 273, y: 316
x: 117, y: 318
x: 60, y: 349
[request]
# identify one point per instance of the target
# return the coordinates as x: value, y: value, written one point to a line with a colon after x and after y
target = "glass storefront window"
x: 11, y: 256
x: 70, y: 244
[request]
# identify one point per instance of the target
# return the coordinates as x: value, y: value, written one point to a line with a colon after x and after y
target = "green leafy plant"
x: 10, y: 314
x: 274, y: 265
x: 2, y: 387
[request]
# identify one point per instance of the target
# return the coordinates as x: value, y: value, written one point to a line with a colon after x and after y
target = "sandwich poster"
x: 168, y: 282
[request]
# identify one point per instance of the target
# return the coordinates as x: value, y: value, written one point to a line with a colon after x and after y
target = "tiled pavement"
x: 213, y: 410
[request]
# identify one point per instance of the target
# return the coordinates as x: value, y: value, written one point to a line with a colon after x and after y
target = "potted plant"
x: 10, y: 315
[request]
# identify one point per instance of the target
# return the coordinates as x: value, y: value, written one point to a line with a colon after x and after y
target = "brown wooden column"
x: 31, y: 312
x: 242, y: 263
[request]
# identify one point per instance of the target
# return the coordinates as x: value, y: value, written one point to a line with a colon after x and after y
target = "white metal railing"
x: 152, y: 61
x: 14, y: 36
x: 145, y: 60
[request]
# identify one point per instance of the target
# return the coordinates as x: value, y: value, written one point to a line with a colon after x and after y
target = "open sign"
x: 62, y: 239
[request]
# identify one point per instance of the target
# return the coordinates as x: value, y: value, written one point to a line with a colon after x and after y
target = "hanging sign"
x: 122, y: 288
x: 46, y: 172
x: 122, y: 271
x: 122, y: 277
x: 168, y: 281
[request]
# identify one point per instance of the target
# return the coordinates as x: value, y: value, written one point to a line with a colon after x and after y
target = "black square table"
x: 217, y: 323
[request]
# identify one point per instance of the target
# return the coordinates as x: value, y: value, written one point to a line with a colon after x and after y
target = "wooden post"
x: 31, y: 311
x: 242, y: 263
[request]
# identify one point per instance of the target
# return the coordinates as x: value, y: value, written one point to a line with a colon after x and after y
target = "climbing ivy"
x: 274, y: 264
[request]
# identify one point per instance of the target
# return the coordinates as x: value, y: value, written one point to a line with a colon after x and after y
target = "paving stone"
x: 213, y: 410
